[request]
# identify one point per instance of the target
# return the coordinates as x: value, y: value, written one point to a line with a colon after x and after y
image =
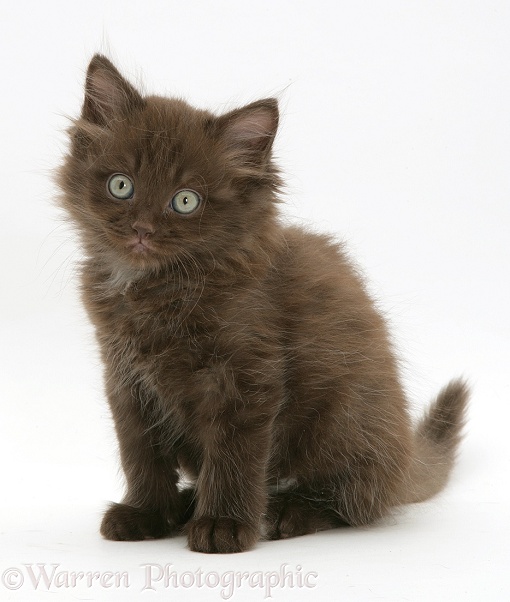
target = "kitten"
x: 239, y: 352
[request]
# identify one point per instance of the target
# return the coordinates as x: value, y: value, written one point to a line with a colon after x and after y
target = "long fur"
x: 239, y: 353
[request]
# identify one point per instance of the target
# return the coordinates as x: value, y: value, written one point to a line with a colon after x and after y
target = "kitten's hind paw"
x: 220, y: 535
x: 127, y: 523
x: 293, y: 515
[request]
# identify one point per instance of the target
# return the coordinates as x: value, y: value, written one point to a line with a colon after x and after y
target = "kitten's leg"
x: 231, y: 491
x: 152, y: 506
x: 356, y: 497
x: 299, y: 512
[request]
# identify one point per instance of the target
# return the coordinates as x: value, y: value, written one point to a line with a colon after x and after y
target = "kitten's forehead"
x: 167, y: 131
x: 173, y: 116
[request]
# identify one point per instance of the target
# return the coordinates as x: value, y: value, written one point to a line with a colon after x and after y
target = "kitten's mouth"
x: 139, y: 245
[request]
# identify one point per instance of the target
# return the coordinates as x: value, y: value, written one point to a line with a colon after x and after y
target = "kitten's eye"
x: 120, y: 186
x: 185, y: 201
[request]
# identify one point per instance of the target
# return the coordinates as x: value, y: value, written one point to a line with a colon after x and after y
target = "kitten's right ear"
x: 107, y: 94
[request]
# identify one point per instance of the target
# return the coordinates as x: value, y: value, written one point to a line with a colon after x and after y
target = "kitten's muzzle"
x: 140, y: 243
x: 143, y: 230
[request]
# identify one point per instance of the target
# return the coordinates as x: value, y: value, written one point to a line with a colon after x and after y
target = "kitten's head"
x: 150, y: 180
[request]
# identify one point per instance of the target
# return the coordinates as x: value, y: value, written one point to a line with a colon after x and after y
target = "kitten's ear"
x: 107, y: 94
x: 251, y: 129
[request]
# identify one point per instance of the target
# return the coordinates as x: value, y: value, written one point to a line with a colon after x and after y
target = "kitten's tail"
x: 436, y: 440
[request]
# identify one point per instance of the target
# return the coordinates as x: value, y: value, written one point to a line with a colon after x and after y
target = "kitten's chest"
x: 159, y: 340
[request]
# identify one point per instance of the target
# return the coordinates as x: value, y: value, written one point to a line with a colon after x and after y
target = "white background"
x: 395, y: 136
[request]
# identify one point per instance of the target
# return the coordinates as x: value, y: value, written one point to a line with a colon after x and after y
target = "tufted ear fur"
x: 108, y: 95
x: 251, y: 129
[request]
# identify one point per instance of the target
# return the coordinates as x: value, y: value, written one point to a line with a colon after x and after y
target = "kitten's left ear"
x: 107, y: 94
x: 251, y: 129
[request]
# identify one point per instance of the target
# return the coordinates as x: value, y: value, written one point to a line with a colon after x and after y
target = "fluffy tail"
x: 435, y: 443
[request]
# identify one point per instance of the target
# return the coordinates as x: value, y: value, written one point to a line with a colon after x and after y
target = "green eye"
x: 185, y: 201
x: 120, y: 186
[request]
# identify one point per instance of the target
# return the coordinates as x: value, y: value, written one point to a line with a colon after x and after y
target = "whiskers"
x: 61, y: 264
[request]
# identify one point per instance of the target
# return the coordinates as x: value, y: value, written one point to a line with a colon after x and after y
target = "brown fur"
x: 245, y: 355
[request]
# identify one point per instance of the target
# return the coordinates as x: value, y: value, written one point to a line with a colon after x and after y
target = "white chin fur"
x: 121, y: 278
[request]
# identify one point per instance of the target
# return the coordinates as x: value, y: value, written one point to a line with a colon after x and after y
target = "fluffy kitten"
x: 241, y: 353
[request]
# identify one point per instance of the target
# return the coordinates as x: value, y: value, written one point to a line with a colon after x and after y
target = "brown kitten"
x: 241, y: 353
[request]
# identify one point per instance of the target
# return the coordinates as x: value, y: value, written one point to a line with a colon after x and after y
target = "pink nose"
x: 143, y: 230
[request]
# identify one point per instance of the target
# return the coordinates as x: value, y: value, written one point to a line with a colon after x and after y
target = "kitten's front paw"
x: 127, y: 523
x: 220, y: 535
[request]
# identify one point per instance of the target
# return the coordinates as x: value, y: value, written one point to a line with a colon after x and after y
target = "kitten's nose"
x: 143, y: 230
